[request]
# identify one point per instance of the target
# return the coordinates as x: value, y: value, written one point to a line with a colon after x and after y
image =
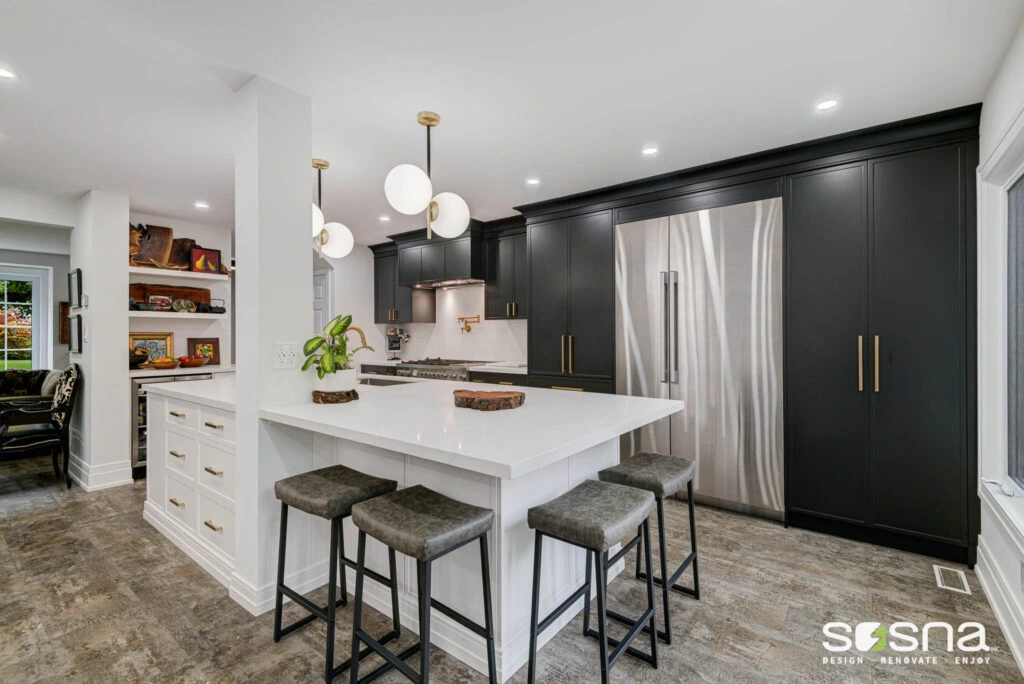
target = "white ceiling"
x: 135, y: 97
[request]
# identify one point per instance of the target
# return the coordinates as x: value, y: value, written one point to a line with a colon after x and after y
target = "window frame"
x: 42, y: 308
x: 1015, y: 331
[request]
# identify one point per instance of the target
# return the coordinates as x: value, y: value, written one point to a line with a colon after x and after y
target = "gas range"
x: 437, y: 369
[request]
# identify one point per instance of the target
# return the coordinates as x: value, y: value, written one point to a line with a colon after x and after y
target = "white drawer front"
x: 217, y: 524
x: 217, y: 423
x: 217, y: 469
x: 182, y: 454
x: 181, y: 502
x: 182, y: 414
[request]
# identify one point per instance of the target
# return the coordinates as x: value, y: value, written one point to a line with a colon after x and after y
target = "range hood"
x: 456, y: 282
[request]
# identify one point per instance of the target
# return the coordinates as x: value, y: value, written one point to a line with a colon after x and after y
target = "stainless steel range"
x: 437, y: 369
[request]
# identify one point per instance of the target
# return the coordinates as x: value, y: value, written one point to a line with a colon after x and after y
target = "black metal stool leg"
x: 279, y: 597
x: 423, y: 586
x: 332, y: 597
x: 535, y: 606
x: 357, y: 613
x: 396, y: 619
x: 485, y: 570
x: 693, y: 541
x: 636, y: 568
x: 663, y: 552
x: 650, y: 593
x: 586, y: 602
x: 602, y: 616
x: 341, y: 563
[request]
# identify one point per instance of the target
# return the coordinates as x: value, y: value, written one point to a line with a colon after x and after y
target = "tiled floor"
x: 92, y: 593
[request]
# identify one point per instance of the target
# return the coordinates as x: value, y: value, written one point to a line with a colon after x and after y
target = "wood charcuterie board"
x: 488, y: 401
x: 341, y: 397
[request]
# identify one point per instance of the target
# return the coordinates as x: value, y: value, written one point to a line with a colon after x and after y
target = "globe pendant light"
x: 409, y: 191
x: 333, y: 239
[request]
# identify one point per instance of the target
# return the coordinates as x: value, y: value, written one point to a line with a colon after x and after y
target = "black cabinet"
x: 432, y: 262
x: 876, y: 340
x: 572, y: 289
x: 457, y: 260
x: 499, y: 378
x: 427, y: 261
x: 410, y: 265
x: 371, y: 369
x: 393, y: 302
x: 507, y: 293
x: 572, y: 384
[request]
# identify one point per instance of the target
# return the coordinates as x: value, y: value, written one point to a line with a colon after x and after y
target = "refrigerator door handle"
x: 666, y: 338
x: 674, y: 325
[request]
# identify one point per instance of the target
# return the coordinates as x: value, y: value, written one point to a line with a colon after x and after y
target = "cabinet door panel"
x: 402, y: 299
x: 432, y: 262
x: 592, y: 294
x: 383, y: 288
x: 917, y: 310
x: 549, y: 294
x: 410, y: 265
x: 458, y: 261
x: 826, y: 299
x: 519, y: 274
x: 494, y: 295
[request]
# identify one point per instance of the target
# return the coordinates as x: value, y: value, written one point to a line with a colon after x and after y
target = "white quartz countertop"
x: 420, y: 419
x: 217, y: 393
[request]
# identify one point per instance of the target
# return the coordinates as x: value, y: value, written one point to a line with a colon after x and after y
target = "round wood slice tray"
x: 342, y: 397
x: 488, y: 401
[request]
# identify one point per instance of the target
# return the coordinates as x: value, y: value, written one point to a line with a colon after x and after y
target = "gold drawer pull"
x: 507, y: 313
x: 515, y: 311
x: 213, y: 425
x: 177, y: 454
x: 215, y: 473
x: 571, y: 389
x: 178, y: 414
x: 479, y: 381
x: 505, y: 382
x: 179, y: 504
x: 215, y: 528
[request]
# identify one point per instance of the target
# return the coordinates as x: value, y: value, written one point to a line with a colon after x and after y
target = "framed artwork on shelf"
x: 75, y: 287
x: 207, y: 347
x: 159, y: 344
x: 204, y: 260
x: 65, y: 310
x: 74, y: 334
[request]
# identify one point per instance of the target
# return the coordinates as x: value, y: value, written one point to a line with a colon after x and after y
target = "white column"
x: 100, y: 439
x: 273, y: 296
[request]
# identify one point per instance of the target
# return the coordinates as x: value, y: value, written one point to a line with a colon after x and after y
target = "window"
x: 1015, y: 330
x: 24, y: 317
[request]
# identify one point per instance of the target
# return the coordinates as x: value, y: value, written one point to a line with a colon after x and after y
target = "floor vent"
x: 951, y: 579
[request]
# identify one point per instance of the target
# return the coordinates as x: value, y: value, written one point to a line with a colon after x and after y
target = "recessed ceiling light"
x: 825, y: 105
x: 202, y: 205
x: 649, y: 151
x: 385, y: 219
x: 533, y: 181
x: 4, y: 73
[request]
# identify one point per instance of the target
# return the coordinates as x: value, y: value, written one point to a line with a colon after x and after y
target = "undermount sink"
x: 382, y: 382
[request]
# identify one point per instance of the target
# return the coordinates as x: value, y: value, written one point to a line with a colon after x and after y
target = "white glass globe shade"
x: 318, y: 220
x: 339, y: 240
x: 408, y: 189
x: 452, y: 215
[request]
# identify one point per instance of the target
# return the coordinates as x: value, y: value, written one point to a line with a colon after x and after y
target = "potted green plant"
x: 331, y: 355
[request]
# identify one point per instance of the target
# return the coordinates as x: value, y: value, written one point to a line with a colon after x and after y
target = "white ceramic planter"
x: 339, y: 381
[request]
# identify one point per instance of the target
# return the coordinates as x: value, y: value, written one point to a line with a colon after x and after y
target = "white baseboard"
x: 92, y: 478
x: 215, y: 563
x: 998, y: 587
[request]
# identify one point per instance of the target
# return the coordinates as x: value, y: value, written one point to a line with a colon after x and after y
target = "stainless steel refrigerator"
x: 699, y: 318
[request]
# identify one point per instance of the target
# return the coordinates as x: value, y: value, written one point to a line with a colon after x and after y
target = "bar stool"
x: 663, y: 476
x: 424, y: 525
x: 329, y: 493
x: 594, y: 516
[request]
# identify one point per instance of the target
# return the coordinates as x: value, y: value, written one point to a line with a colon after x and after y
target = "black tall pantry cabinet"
x: 877, y: 369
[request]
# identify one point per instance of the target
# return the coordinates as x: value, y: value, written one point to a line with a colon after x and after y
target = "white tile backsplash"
x: 488, y: 341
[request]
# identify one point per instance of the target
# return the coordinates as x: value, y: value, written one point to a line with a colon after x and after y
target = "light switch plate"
x: 286, y: 355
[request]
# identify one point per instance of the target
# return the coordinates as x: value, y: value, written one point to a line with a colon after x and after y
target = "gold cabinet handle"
x: 214, y: 472
x: 213, y: 425
x: 514, y: 311
x: 179, y: 504
x: 478, y: 381
x: 563, y: 353
x: 178, y: 414
x: 876, y: 363
x: 177, y: 454
x: 215, y: 528
x: 507, y: 313
x: 572, y: 356
x: 505, y: 382
x: 860, y: 363
x: 568, y: 389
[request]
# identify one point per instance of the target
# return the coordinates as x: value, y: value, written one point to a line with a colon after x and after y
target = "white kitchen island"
x: 505, y: 460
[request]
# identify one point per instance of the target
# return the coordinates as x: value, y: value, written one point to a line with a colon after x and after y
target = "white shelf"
x: 176, y: 314
x: 175, y: 275
x: 153, y: 372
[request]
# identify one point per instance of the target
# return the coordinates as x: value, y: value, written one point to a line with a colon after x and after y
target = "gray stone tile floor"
x: 92, y: 593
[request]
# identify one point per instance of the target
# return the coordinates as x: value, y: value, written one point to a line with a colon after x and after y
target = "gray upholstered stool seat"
x: 330, y: 492
x: 662, y: 475
x: 594, y: 514
x: 421, y: 523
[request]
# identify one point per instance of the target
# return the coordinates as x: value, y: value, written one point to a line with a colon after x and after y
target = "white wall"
x: 488, y: 340
x: 32, y: 237
x: 1001, y: 543
x: 30, y: 207
x: 353, y: 294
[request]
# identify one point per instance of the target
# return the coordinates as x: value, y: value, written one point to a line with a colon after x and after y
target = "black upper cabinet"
x: 572, y: 306
x: 432, y: 262
x: 507, y: 277
x: 440, y: 259
x: 826, y: 313
x: 410, y: 265
x: 458, y: 260
x: 384, y: 278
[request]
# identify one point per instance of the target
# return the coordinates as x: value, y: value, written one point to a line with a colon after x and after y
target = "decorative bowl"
x: 195, y: 363
x: 164, y: 365
x: 136, y: 359
x: 143, y: 306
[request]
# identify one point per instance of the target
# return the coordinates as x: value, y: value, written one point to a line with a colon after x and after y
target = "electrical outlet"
x: 286, y: 355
